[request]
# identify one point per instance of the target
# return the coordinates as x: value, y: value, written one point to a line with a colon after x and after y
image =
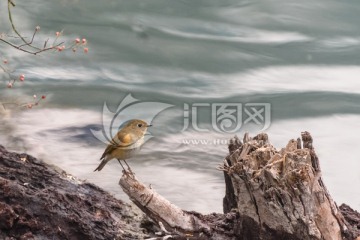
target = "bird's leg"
x: 129, y: 168
x: 122, y: 165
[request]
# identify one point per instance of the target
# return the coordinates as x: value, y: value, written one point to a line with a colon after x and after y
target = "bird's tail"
x: 101, y: 165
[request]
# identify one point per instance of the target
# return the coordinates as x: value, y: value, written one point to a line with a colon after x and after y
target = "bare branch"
x: 28, y: 51
x: 32, y: 39
x: 45, y: 43
x: 26, y: 44
x: 10, y: 3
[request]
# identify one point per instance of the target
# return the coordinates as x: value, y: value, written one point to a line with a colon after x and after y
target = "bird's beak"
x: 149, y: 125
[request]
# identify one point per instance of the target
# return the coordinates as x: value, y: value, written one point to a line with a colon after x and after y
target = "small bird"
x: 125, y: 144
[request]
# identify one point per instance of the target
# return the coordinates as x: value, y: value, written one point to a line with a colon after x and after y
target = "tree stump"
x: 270, y: 194
x: 280, y: 192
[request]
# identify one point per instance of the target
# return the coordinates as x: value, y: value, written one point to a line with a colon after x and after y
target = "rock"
x: 7, y: 216
x: 37, y: 201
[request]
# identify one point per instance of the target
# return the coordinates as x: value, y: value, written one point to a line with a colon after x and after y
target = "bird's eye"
x: 139, y: 125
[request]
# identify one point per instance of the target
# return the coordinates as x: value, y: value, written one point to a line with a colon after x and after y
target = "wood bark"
x: 270, y: 194
x: 173, y: 222
x: 282, y: 192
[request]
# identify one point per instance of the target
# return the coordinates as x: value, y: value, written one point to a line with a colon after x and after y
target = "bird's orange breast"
x: 127, y: 139
x: 123, y: 153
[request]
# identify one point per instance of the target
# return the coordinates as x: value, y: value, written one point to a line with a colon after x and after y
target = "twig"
x: 36, y: 50
x: 28, y: 51
x: 32, y: 39
x: 10, y: 3
x: 6, y: 71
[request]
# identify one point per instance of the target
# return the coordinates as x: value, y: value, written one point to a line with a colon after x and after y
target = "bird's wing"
x: 121, y: 140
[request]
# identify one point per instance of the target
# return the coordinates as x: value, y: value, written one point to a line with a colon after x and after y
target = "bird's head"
x: 137, y: 126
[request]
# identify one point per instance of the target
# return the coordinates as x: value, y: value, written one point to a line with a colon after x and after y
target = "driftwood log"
x: 270, y: 194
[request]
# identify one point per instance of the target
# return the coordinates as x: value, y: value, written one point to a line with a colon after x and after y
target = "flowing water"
x: 300, y: 57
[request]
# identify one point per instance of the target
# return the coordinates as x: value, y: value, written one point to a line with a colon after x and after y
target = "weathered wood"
x: 174, y: 222
x: 352, y: 219
x: 270, y: 194
x: 158, y: 208
x: 282, y: 191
